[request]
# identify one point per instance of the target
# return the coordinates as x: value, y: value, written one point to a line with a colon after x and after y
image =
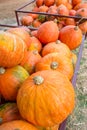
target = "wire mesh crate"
x: 28, y: 9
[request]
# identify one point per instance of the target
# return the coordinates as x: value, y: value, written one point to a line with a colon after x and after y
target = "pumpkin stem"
x: 38, y: 80
x: 35, y: 52
x: 58, y: 42
x: 76, y: 27
x: 2, y: 70
x: 54, y: 65
x: 82, y: 20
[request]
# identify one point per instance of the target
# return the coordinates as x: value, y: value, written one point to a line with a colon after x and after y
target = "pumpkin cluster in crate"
x: 59, y: 7
x: 36, y: 68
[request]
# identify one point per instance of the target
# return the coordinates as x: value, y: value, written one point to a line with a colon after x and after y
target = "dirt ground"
x: 7, y: 10
x: 78, y: 120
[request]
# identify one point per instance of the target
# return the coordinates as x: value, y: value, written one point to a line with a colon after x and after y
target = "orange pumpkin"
x: 39, y: 2
x: 22, y: 33
x: 56, y: 61
x: 59, y: 2
x: 72, y: 12
x: 51, y: 10
x: 27, y: 20
x: 17, y: 125
x: 48, y: 32
x: 9, y: 112
x: 47, y: 93
x: 36, y: 23
x: 35, y: 44
x: 70, y: 21
x: 12, y: 49
x: 75, y: 2
x: 80, y: 5
x: 34, y: 16
x: 69, y: 6
x: 34, y: 33
x: 29, y: 61
x: 49, y: 2
x: 71, y: 35
x: 43, y: 8
x: 62, y: 10
x: 83, y: 27
x: 11, y: 80
x: 57, y: 46
x: 81, y: 12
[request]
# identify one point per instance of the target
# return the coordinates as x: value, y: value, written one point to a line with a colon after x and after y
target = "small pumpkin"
x: 62, y: 10
x: 47, y: 93
x: 71, y: 35
x: 75, y: 2
x: 12, y: 49
x: 48, y: 32
x: 83, y: 27
x: 80, y: 5
x: 70, y: 21
x: 34, y: 33
x: 52, y: 10
x: 39, y: 2
x: 27, y: 20
x: 72, y: 12
x: 29, y: 61
x: 59, y: 2
x: 57, y: 46
x: 43, y: 8
x: 9, y: 112
x: 36, y: 23
x: 17, y: 125
x: 11, y: 80
x: 49, y: 2
x: 81, y: 12
x: 35, y: 44
x: 57, y: 62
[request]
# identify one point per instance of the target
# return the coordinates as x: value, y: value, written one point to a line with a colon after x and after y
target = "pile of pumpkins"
x: 70, y: 8
x: 36, y: 68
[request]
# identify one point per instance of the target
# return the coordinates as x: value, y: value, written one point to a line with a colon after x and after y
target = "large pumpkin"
x: 22, y: 33
x: 48, y: 32
x: 29, y: 61
x: 71, y: 35
x: 56, y: 61
x: 49, y: 93
x: 9, y: 112
x: 12, y: 49
x: 10, y: 81
x: 17, y: 125
x: 57, y: 46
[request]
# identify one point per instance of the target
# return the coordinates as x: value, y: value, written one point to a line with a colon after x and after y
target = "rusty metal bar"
x: 78, y: 63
